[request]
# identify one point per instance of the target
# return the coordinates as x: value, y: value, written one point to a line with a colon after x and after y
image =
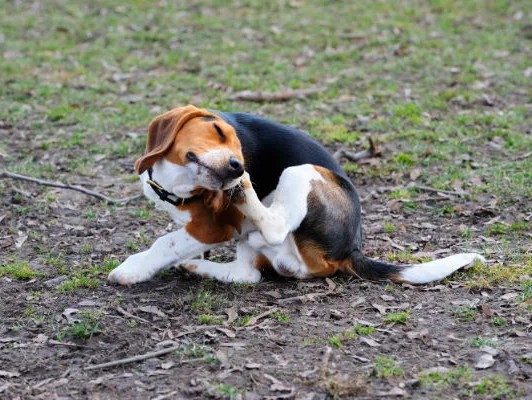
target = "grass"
x: 350, y: 334
x: 479, y: 342
x: 209, y: 319
x: 481, y: 276
x: 281, y: 317
x: 226, y: 390
x: 494, y: 386
x: 397, y: 318
x: 88, y: 325
x: 465, y: 314
x: 458, y: 376
x: 206, y: 302
x: 81, y: 80
x: 19, y: 270
x: 387, y: 367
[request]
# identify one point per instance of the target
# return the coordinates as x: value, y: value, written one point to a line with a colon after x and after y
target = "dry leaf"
x: 152, y: 310
x: 380, y: 308
x: 488, y: 312
x: 358, y: 301
x: 232, y: 315
x: 20, y: 240
x: 9, y: 374
x: 167, y: 365
x: 485, y: 361
x: 222, y: 357
x: 68, y: 315
x: 370, y: 342
x: 417, y: 334
x: 227, y: 332
x: 509, y: 296
x: 330, y: 283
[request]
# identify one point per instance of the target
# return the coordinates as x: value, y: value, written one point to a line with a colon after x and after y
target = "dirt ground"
x: 441, y: 86
x: 291, y: 355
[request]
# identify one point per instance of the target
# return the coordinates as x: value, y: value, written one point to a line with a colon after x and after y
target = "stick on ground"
x: 133, y: 359
x: 373, y: 151
x: 259, y: 97
x: 108, y: 200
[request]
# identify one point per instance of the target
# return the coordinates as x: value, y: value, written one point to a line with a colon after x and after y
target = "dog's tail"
x: 366, y: 268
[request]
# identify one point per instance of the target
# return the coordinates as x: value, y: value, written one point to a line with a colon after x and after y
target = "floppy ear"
x: 162, y: 132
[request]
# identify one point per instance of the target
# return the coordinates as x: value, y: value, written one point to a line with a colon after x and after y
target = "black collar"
x: 165, y: 195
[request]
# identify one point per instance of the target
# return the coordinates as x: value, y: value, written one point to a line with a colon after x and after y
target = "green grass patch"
x: 397, y: 318
x: 465, y: 314
x: 481, y: 276
x: 498, y: 321
x: 206, y: 302
x: 364, y: 330
x: 386, y: 367
x: 78, y: 282
x: 458, y: 376
x: 19, y: 270
x: 479, y: 342
x: 281, y: 317
x: 406, y: 257
x: 504, y: 229
x: 226, y: 391
x: 495, y: 387
x: 209, y: 319
x: 88, y: 325
x: 334, y: 341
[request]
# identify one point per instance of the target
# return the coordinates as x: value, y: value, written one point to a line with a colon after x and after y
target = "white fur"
x: 438, y: 269
x: 288, y: 207
x: 165, y: 251
x: 241, y: 270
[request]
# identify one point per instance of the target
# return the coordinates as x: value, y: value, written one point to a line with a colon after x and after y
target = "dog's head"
x: 199, y: 141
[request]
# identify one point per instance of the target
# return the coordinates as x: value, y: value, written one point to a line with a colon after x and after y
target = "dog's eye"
x: 220, y: 133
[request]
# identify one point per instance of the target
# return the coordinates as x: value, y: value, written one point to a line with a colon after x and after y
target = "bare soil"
x: 275, y: 358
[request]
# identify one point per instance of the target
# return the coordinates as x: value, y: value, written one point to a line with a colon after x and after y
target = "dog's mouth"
x: 216, y: 178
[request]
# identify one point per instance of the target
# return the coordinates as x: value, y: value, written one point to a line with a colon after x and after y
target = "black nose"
x: 236, y: 168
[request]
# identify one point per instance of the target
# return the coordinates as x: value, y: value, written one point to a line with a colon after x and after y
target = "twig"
x: 129, y: 315
x: 303, y: 298
x: 253, y: 320
x: 373, y: 151
x: 108, y: 200
x: 68, y: 344
x: 434, y: 190
x: 129, y: 360
x: 260, y: 96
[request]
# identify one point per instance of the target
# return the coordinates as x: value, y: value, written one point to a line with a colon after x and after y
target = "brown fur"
x: 180, y: 130
x: 316, y: 261
x: 213, y: 218
x: 262, y: 263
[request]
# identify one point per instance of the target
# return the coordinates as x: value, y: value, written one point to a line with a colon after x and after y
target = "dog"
x: 273, y: 188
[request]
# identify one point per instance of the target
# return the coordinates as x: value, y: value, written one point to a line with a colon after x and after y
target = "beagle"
x: 271, y: 187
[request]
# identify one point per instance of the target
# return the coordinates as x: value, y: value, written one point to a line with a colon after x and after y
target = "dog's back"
x: 269, y: 148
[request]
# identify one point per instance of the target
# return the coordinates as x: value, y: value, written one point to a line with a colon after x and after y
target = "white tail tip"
x: 438, y: 269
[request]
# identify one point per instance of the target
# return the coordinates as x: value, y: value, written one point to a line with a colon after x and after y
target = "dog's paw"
x: 256, y: 240
x: 131, y: 271
x: 274, y: 230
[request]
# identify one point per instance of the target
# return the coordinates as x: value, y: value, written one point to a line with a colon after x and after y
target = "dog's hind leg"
x: 244, y: 269
x: 288, y: 207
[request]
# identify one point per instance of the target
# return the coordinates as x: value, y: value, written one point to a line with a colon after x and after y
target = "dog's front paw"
x: 131, y: 271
